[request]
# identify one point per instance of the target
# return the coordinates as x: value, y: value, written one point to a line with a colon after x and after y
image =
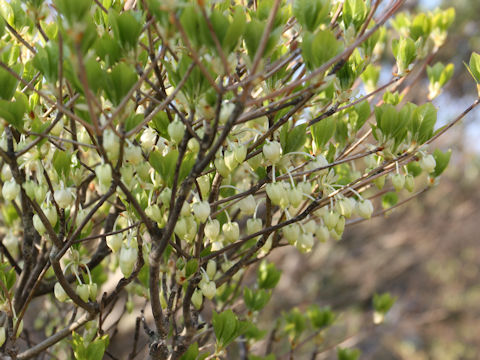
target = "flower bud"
x: 51, y: 214
x: 201, y: 211
x: 277, y: 194
x: 165, y: 197
x: 197, y: 299
x: 148, y: 138
x: 83, y: 291
x: 340, y: 226
x: 128, y: 257
x: 409, y: 182
x: 255, y: 161
x: 209, y: 289
x: 398, y: 181
x: 380, y: 182
x: 331, y: 219
x: 365, y: 209
x: 319, y: 162
x: 92, y: 291
x: 310, y: 226
x: 254, y: 226
x: 60, y: 294
x: 211, y: 269
x: 305, y: 242
x: 64, y: 198
x: 181, y: 228
x: 19, y: 329
x: 335, y: 235
x: 226, y: 111
x: 230, y: 162
x: 272, y: 151
x: 193, y: 145
x: 10, y: 190
x: 344, y: 207
x: 428, y: 163
x: 126, y: 173
x: 231, y: 231
x: 221, y: 167
x: 3, y: 335
x: 240, y: 153
x: 6, y: 173
x: 204, y: 184
x: 40, y: 193
x: 291, y: 233
x: 104, y: 174
x: 295, y: 196
x: 212, y: 229
x: 176, y: 130
x: 114, y: 242
x: 153, y: 211
x: 322, y: 234
x: 133, y: 154
x: 247, y: 205
x: 38, y: 224
x: 11, y: 242
x: 370, y: 161
x: 111, y: 144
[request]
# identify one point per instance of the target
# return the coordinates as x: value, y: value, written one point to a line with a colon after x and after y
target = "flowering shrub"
x: 158, y: 149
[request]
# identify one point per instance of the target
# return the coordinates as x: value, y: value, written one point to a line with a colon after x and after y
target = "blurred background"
x: 426, y: 253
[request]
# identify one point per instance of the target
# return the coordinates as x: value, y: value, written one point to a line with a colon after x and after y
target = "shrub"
x: 158, y: 149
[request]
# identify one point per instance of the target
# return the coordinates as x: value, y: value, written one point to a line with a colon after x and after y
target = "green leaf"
x: 126, y: 27
x: 421, y: 26
x: 441, y: 161
x: 256, y: 300
x: 191, y: 267
x: 311, y: 13
x: 318, y: 49
x: 389, y: 200
x: 443, y: 19
x: 370, y: 77
x: 96, y: 349
x: 9, y: 82
x: 295, y: 138
x: 383, y: 302
x: 108, y: 49
x: 46, y: 61
x: 363, y: 112
x: 404, y: 51
x: 323, y: 131
x: 423, y: 123
x: 295, y: 323
x: 14, y: 111
x: 132, y: 121
x: 414, y: 168
x: 267, y: 357
x: 6, y: 12
x: 354, y: 12
x: 191, y: 353
x: 186, y: 166
x: 61, y: 163
x: 474, y: 67
x: 160, y: 123
x: 348, y: 354
x: 268, y: 275
x: 73, y: 11
x: 119, y: 82
x: 320, y: 317
x: 227, y: 327
x: 235, y: 30
x: 164, y: 165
